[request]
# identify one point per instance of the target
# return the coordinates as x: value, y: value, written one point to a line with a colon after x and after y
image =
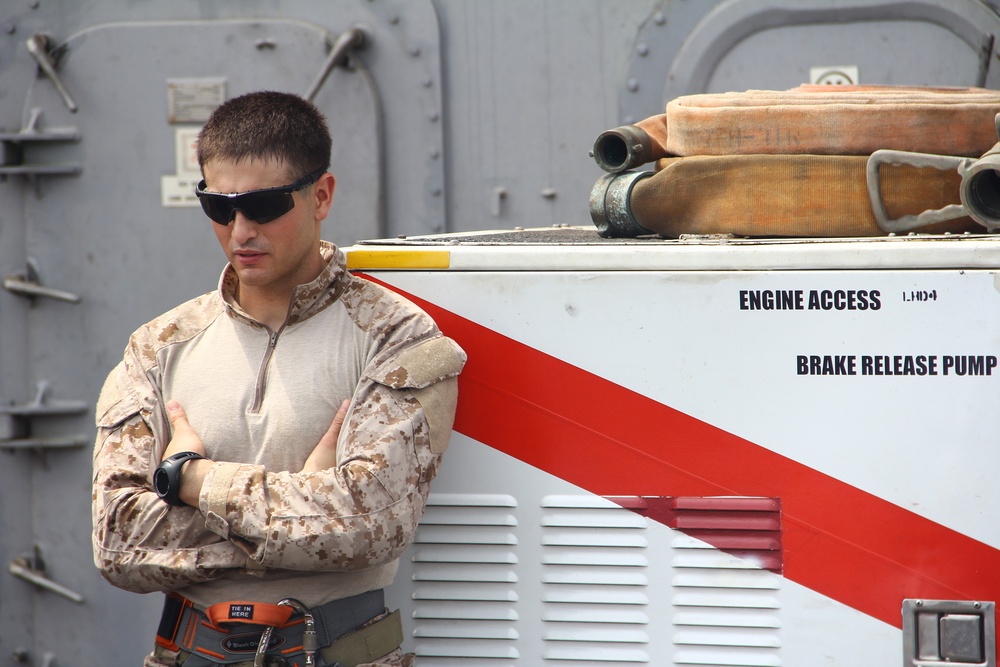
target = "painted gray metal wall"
x: 456, y: 115
x: 103, y: 234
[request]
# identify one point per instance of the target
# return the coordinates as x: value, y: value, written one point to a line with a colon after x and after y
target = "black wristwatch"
x: 167, y: 478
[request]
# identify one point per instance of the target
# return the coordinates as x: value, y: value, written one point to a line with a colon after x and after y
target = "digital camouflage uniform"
x: 260, y: 400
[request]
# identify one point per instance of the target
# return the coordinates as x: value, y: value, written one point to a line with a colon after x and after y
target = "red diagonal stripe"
x: 840, y: 541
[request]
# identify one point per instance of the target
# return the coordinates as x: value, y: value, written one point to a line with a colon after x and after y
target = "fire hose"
x: 865, y: 161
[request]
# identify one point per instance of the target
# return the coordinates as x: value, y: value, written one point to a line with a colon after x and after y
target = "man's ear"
x: 323, y: 194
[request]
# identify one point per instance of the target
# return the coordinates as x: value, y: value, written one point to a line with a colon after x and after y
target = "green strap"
x: 370, y: 642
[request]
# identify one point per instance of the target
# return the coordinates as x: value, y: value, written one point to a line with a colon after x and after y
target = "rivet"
x: 632, y: 85
x: 433, y: 116
x: 436, y: 192
x: 435, y: 154
x: 414, y: 51
x: 642, y: 49
x: 394, y: 19
x: 659, y: 18
x: 549, y: 193
x: 428, y: 82
x: 919, y: 603
x: 401, y: 236
x: 977, y: 605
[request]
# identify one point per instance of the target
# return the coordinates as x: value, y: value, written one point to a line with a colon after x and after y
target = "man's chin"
x: 251, y: 276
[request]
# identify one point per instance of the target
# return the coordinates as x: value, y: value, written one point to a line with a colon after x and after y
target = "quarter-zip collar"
x: 307, y: 299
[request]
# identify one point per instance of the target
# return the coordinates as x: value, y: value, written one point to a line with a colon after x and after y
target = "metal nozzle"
x: 623, y: 148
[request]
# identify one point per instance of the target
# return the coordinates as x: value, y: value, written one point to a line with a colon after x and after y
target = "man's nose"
x: 243, y: 227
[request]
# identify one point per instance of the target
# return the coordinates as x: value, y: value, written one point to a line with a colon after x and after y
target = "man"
x: 264, y: 451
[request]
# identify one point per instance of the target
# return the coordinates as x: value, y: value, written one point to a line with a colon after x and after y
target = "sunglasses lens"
x: 260, y: 207
x: 264, y: 206
x: 217, y: 207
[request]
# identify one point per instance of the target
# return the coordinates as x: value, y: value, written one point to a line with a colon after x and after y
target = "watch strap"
x: 167, y: 477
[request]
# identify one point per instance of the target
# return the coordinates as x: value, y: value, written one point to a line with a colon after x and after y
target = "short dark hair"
x: 267, y: 125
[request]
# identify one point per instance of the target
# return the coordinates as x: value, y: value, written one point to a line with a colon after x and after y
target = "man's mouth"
x: 248, y: 256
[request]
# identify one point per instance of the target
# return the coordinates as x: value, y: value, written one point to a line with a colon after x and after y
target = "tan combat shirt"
x: 260, y: 401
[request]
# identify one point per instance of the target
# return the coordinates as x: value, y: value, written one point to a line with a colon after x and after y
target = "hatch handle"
x: 38, y: 47
x: 27, y: 284
x: 348, y: 41
x: 909, y: 223
x: 32, y: 570
x: 21, y: 286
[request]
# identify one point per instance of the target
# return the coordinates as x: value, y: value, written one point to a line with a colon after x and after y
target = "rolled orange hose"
x: 785, y: 195
x: 832, y: 120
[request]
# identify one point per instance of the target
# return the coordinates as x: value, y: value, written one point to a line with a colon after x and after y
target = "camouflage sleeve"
x: 140, y: 543
x: 364, y: 511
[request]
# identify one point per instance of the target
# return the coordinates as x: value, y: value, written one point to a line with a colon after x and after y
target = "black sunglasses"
x: 259, y: 205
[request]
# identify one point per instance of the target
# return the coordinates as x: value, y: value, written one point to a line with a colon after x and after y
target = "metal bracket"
x: 17, y: 435
x: 13, y: 149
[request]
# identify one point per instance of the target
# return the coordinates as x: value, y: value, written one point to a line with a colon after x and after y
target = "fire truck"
x: 670, y: 449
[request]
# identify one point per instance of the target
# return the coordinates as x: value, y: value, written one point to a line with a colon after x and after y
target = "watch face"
x: 161, y: 482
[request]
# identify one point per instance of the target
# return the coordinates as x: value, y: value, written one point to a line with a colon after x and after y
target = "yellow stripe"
x: 398, y: 259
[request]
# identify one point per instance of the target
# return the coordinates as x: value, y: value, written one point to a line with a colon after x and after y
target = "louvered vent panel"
x: 747, y: 527
x: 464, y: 559
x: 594, y: 582
x: 726, y: 603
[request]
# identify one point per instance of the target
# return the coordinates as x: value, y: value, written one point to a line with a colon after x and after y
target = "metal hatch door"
x: 779, y: 44
x: 111, y: 232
